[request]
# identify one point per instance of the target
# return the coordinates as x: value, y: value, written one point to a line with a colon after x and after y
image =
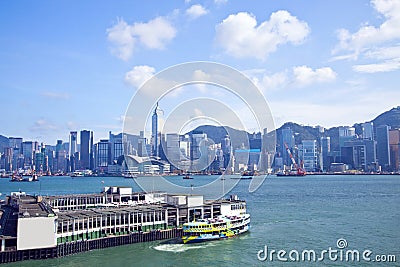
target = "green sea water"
x: 288, y: 213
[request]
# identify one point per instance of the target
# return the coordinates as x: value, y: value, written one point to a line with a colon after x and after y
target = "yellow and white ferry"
x: 212, y: 229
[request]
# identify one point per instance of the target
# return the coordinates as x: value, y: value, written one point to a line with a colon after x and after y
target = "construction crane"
x: 300, y: 171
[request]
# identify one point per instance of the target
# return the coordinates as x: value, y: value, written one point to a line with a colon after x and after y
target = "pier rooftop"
x: 36, y: 222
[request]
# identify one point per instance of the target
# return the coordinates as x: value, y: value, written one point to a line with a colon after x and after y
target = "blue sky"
x: 73, y: 65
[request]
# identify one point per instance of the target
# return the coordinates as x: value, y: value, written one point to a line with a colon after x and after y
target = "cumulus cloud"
x: 240, y: 36
x: 298, y: 76
x: 43, y: 126
x: 138, y: 75
x: 304, y: 75
x: 196, y: 11
x: 154, y: 34
x: 369, y: 39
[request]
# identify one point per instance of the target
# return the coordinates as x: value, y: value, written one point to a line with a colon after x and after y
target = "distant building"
x: 394, y: 146
x: 247, y: 159
x: 226, y: 148
x: 360, y: 154
x: 155, y: 131
x: 61, y: 160
x: 103, y: 155
x: 382, y: 149
x: 310, y: 155
x: 16, y: 145
x: 86, y: 150
x: 116, y: 146
x: 173, y: 150
x: 28, y: 151
x: 368, y: 130
x: 325, y: 150
x: 287, y: 138
x: 73, y: 149
x: 199, y: 154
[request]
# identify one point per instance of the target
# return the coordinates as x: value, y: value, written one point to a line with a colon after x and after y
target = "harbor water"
x: 361, y: 212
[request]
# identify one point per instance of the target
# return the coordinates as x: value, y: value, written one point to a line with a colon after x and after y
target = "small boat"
x: 129, y: 175
x: 24, y: 178
x: 187, y: 177
x: 77, y: 174
x: 214, y: 229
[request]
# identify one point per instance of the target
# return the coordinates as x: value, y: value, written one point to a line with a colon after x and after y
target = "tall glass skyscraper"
x: 155, y: 133
x: 86, y: 155
x: 382, y: 149
x: 73, y: 148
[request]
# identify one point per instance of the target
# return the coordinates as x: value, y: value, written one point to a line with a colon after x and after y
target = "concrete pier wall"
x: 70, y: 248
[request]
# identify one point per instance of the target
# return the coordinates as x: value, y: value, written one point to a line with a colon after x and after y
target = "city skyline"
x: 66, y: 68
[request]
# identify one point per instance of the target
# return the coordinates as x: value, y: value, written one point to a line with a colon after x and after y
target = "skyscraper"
x: 103, y: 155
x: 287, y: 138
x: 382, y: 149
x: 310, y: 155
x: 116, y: 146
x: 394, y: 143
x: 86, y: 148
x: 28, y: 150
x: 325, y: 149
x: 155, y: 133
x: 173, y: 149
x: 73, y: 148
x: 368, y: 130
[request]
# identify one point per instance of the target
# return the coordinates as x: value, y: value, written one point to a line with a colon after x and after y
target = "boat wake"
x: 177, y: 248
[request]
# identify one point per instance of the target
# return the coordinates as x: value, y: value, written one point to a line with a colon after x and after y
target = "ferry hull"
x: 210, y: 237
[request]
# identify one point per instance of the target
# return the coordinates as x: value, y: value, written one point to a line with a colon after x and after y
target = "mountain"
x: 217, y: 133
x: 3, y: 143
x: 391, y: 118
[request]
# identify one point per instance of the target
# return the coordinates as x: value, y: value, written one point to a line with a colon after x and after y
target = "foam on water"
x: 177, y: 248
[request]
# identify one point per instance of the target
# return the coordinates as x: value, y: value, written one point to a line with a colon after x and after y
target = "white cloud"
x: 241, y: 37
x: 196, y: 11
x: 138, y: 75
x: 56, y: 95
x: 386, y: 66
x: 154, y: 34
x: 299, y: 76
x: 122, y: 40
x: 43, y: 126
x: 370, y: 41
x: 220, y: 2
x: 304, y: 75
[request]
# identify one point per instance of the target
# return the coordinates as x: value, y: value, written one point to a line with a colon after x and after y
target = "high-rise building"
x: 325, y: 149
x: 86, y: 148
x: 103, y: 155
x: 173, y: 149
x: 116, y: 146
x: 28, y: 150
x: 227, y: 151
x: 394, y: 145
x: 73, y: 149
x: 360, y: 154
x: 8, y: 159
x: 16, y: 145
x: 199, y: 151
x: 155, y: 131
x: 382, y: 149
x: 310, y: 155
x: 287, y: 138
x: 368, y: 130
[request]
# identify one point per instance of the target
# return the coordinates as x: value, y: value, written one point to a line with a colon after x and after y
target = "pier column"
x: 3, y: 245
